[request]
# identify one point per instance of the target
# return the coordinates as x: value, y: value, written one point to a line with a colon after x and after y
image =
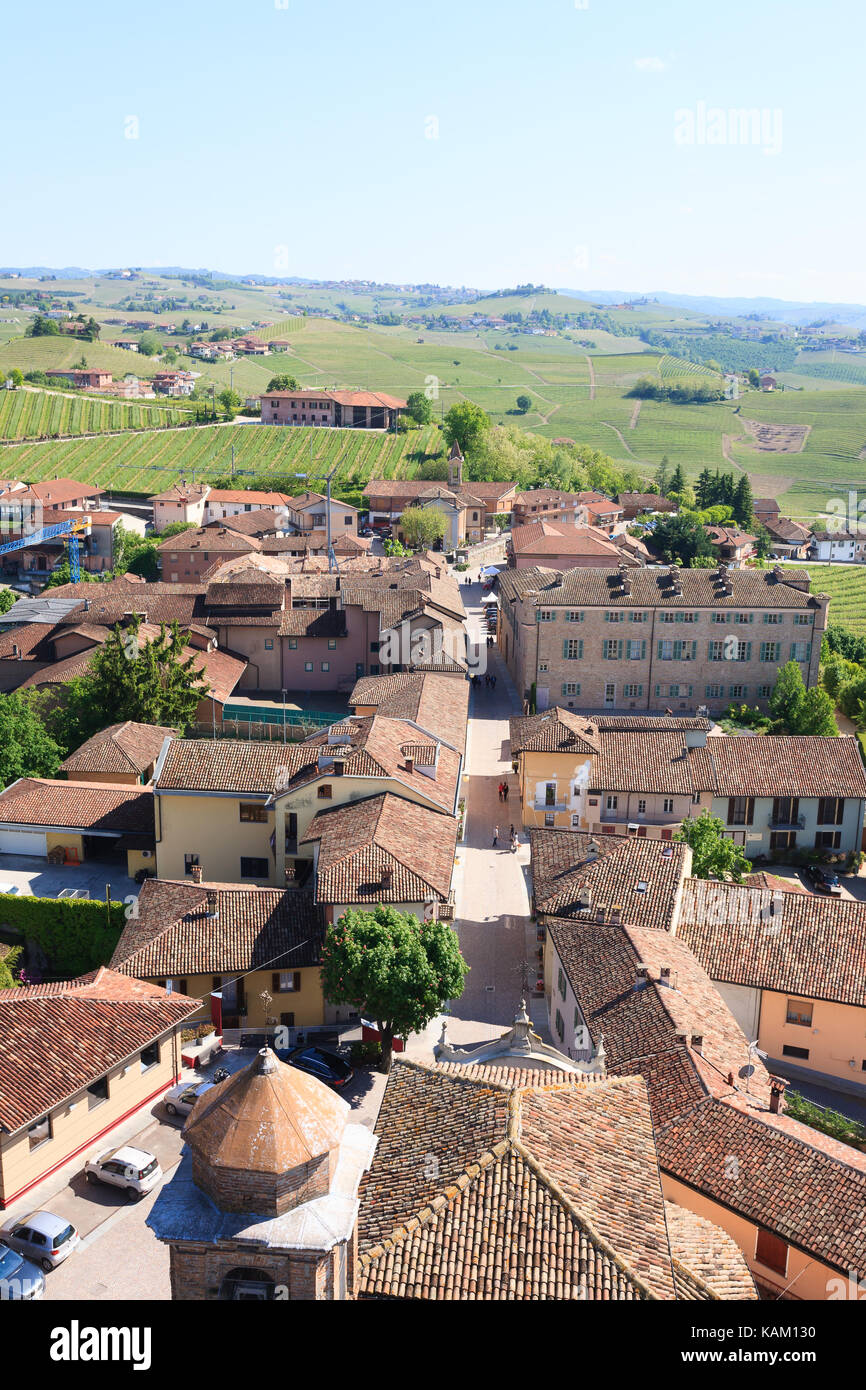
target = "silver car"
x: 46, y: 1239
x: 19, y: 1279
x: 180, y: 1099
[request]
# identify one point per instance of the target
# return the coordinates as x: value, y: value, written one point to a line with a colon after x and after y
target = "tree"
x: 283, y: 383
x: 743, y: 502
x: 16, y: 376
x: 817, y: 715
x: 677, y: 479
x: 788, y: 695
x: 26, y: 747
x: 422, y: 526
x: 754, y: 376
x: 419, y: 407
x: 663, y: 475
x: 681, y: 538
x: 149, y: 682
x: 524, y: 403
x: 7, y: 598
x: 229, y: 400
x: 466, y: 424
x: 149, y: 344
x: 714, y: 855
x: 8, y: 962
x: 398, y: 970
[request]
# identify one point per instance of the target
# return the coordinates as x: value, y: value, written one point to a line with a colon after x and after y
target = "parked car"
x: 136, y: 1170
x: 19, y: 1279
x: 366, y: 532
x: 43, y: 1237
x: 325, y: 1066
x: 180, y: 1099
x: 824, y: 880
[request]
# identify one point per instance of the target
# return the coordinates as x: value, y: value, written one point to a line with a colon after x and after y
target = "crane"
x: 61, y: 530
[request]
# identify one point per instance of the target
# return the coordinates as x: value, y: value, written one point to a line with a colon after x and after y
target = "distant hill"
x: 781, y: 310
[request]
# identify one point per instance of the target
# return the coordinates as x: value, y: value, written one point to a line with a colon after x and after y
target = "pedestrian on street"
x: 493, y: 681
x: 504, y: 791
x: 495, y: 836
x: 501, y: 791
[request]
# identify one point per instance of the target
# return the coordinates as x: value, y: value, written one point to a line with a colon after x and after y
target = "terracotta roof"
x: 794, y: 943
x: 783, y: 529
x: 106, y: 603
x: 247, y: 495
x: 570, y: 868
x: 549, y: 494
x: 650, y: 501
x: 707, y: 1261
x: 776, y: 765
x: 255, y: 928
x: 268, y: 1118
x: 775, y: 883
x: 437, y: 702
x: 56, y: 1039
x: 37, y: 801
x: 261, y: 522
x: 204, y: 764
x: 539, y: 1191
x: 59, y: 671
x: 545, y: 538
x: 182, y: 492
x: 56, y: 491
x: 412, y: 487
x: 28, y: 639
x: 383, y: 850
x: 555, y: 731
x: 126, y: 747
x: 652, y: 588
x: 214, y: 537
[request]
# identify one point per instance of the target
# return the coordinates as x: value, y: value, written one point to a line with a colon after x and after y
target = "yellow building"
x: 251, y: 956
x: 74, y: 1064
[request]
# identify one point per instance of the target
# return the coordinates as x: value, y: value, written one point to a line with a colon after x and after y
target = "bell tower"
x: 455, y: 466
x: 264, y: 1202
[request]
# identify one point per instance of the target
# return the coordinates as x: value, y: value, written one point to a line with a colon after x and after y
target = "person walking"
x: 504, y: 791
x: 495, y: 836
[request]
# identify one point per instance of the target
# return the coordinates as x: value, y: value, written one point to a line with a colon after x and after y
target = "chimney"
x: 665, y: 976
x: 212, y: 904
x: 616, y: 915
x: 197, y: 873
x: 600, y: 914
x: 778, y: 1087
x: 641, y: 977
x: 16, y: 650
x: 387, y: 877
x: 698, y: 1044
x: 410, y: 764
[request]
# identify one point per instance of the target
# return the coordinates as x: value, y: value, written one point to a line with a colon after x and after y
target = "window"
x: 326, y: 665
x: 543, y: 668
x: 668, y: 806
x: 771, y: 1251
x: 743, y: 617
x: 773, y: 618
x: 737, y: 692
x: 611, y: 803
x: 637, y: 617
x: 550, y: 819
x: 741, y: 810
x: 550, y: 794
x: 719, y: 617
x: 149, y: 1056
x: 251, y: 811
x: 572, y: 649
x: 611, y: 649
x: 571, y: 688
x: 572, y: 616
x: 632, y: 692
x: 799, y: 1012
x: 97, y: 1094
x: 325, y: 792
x: 332, y: 644
x: 560, y: 982
x: 635, y: 651
x: 764, y: 692
x: 308, y: 665
x: 269, y: 644
x: 771, y: 651
x: 40, y: 1133
x: 783, y: 839
x: 830, y: 810
x: 293, y: 644
x: 801, y: 651
x: 641, y: 807
x: 614, y: 617
x: 254, y: 868
x: 544, y: 615
x: 560, y: 1026
x: 190, y: 862
x: 743, y: 651
x: 286, y: 982
x: 802, y: 619
x: 714, y: 692
x: 788, y: 1050
x: 786, y: 810
x: 677, y: 650
x: 828, y: 839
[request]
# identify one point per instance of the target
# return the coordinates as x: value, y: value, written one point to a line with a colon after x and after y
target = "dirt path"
x: 635, y: 415
x: 591, y: 378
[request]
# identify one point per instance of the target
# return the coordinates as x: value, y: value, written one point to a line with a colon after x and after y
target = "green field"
x: 846, y: 585
x: 27, y: 414
x: 150, y: 462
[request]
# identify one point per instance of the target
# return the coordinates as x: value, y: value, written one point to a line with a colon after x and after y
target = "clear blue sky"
x: 556, y: 161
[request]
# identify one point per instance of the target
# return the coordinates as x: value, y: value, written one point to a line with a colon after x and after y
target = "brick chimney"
x: 641, y: 977
x: 698, y: 1043
x: 213, y: 910
x: 410, y: 764
x: 778, y: 1086
x: 197, y: 873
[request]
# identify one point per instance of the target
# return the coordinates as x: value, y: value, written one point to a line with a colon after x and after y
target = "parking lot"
x: 46, y: 880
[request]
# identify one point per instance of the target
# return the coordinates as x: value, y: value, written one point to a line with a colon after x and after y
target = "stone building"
x: 264, y: 1203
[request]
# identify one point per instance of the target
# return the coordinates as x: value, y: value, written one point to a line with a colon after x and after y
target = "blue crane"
x: 65, y: 530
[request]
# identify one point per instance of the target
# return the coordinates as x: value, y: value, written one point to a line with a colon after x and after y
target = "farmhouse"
x: 370, y: 410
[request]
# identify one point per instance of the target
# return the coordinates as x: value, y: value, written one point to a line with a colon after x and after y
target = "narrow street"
x: 492, y: 899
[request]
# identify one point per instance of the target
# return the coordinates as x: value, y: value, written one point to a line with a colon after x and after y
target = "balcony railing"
x: 787, y: 822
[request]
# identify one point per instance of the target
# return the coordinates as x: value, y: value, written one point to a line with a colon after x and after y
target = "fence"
x: 267, y: 725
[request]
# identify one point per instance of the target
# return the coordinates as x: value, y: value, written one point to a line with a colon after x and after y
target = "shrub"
x: 74, y: 934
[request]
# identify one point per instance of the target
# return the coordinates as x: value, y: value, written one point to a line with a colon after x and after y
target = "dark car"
x: 824, y: 881
x: 325, y: 1066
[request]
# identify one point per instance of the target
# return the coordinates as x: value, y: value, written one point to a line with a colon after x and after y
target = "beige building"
x: 683, y: 640
x: 121, y: 755
x: 76, y: 1060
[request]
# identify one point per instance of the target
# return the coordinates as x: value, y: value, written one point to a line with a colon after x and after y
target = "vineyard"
x: 264, y: 456
x: 43, y: 414
x: 846, y: 585
x: 853, y: 372
x: 282, y: 328
x: 678, y: 368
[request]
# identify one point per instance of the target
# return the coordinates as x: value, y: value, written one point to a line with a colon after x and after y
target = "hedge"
x: 74, y: 934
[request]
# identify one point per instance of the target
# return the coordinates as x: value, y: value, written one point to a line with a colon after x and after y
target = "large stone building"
x: 365, y: 410
x: 657, y: 639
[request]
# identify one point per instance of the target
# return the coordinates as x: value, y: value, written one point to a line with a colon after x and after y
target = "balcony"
x: 549, y: 806
x: 787, y: 822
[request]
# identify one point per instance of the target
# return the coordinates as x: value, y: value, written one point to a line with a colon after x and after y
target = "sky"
x: 572, y: 143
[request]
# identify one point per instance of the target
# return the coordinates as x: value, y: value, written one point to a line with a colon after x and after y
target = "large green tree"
x: 714, y: 854
x: 284, y: 382
x: 787, y: 697
x: 466, y: 424
x: 26, y: 747
x: 398, y: 970
x: 422, y: 526
x: 419, y: 407
x: 682, y: 538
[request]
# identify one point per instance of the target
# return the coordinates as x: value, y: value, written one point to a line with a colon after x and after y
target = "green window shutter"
x: 580, y: 648
x: 565, y: 650
x: 643, y: 650
x: 748, y: 651
x: 658, y: 653
x: 658, y: 690
x: 619, y: 648
x: 694, y: 650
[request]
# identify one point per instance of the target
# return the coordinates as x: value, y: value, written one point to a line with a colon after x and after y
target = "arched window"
x: 247, y: 1286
